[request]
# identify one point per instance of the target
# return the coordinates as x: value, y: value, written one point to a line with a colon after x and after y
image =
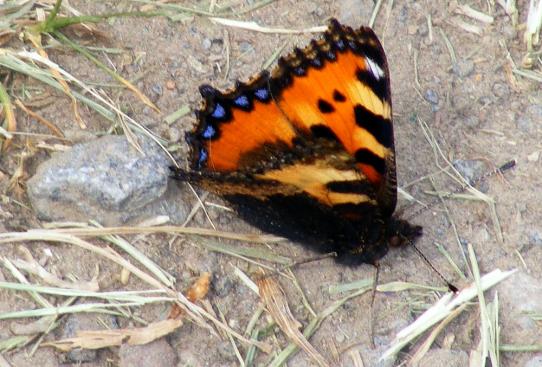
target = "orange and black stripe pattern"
x: 317, y: 130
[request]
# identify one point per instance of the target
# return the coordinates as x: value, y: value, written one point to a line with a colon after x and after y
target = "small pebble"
x: 431, y: 96
x: 463, y: 68
x: 170, y: 85
x: 206, y: 44
x: 533, y: 157
x: 535, y: 238
x: 339, y: 338
x: 157, y: 89
x: 501, y: 90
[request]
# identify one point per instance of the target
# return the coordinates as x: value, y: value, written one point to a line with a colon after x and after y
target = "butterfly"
x: 306, y: 151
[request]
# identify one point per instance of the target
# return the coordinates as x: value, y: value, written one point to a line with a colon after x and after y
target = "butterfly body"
x: 307, y: 151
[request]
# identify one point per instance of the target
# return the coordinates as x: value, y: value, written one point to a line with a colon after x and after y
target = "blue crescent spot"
x: 262, y: 94
x: 219, y: 111
x: 209, y: 132
x: 202, y: 157
x: 241, y: 101
x: 340, y: 44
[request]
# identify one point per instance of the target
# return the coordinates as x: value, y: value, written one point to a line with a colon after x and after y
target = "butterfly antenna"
x: 450, y: 286
x: 499, y: 170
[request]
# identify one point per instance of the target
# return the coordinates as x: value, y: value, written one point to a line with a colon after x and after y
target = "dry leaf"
x: 197, y: 291
x: 92, y: 339
x: 277, y: 305
x: 200, y: 288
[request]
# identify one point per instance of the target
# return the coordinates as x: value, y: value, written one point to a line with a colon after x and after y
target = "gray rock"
x: 469, y: 169
x: 444, y: 358
x: 156, y: 353
x: 107, y: 180
x: 81, y: 321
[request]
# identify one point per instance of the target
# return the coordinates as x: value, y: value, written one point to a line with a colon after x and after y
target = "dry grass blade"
x: 422, y: 350
x: 374, y: 13
x: 33, y: 267
x: 488, y: 331
x: 474, y: 14
x: 14, y: 61
x: 92, y: 232
x: 530, y: 74
x: 193, y: 311
x: 65, y: 238
x: 104, y: 106
x: 13, y: 342
x: 253, y: 26
x: 510, y: 7
x: 440, y: 310
x: 36, y: 41
x: 471, y: 28
x: 55, y: 130
x: 534, y: 24
x: 11, y: 123
x: 110, y: 72
x: 313, y: 325
x: 277, y: 305
x: 109, y: 338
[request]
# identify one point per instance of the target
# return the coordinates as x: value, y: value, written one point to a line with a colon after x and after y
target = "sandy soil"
x: 477, y: 110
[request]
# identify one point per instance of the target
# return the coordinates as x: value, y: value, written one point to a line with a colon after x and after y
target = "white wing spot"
x: 374, y: 68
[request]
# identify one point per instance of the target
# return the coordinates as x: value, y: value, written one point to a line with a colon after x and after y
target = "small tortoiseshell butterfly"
x: 307, y: 151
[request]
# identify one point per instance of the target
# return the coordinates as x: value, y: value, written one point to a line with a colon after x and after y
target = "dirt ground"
x: 476, y: 108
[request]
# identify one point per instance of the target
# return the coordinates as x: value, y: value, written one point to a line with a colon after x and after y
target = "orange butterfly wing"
x: 307, y: 151
x: 336, y: 86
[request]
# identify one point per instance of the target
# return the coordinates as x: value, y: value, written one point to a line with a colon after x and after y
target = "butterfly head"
x: 400, y: 233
